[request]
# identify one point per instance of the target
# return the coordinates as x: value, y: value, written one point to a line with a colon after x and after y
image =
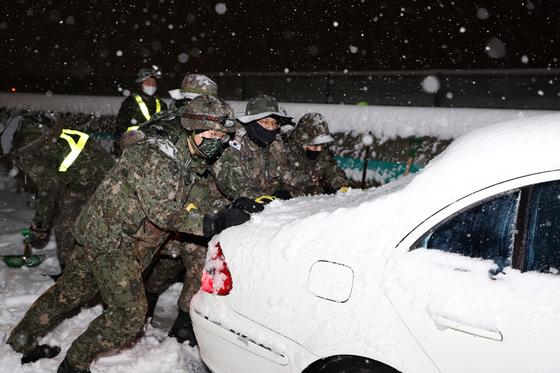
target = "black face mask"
x: 312, y: 154
x: 260, y: 135
x: 181, y: 103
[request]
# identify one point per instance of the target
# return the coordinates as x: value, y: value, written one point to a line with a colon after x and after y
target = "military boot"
x: 182, y: 329
x: 40, y: 352
x: 66, y: 367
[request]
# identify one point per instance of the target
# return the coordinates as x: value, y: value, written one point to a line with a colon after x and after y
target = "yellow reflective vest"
x: 76, y: 148
x: 144, y: 110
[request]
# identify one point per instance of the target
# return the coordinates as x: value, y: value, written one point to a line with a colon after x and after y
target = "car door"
x: 477, y: 284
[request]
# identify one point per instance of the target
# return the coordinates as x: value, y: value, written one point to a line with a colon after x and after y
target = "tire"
x: 349, y: 364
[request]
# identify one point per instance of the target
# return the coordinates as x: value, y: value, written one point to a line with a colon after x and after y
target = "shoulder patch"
x: 235, y: 144
x: 241, y: 132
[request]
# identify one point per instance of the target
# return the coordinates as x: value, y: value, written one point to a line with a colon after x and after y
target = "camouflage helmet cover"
x: 208, y: 105
x: 195, y: 85
x: 145, y: 74
x: 312, y: 129
x: 263, y: 106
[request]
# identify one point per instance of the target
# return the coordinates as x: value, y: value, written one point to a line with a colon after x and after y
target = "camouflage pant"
x: 166, y: 269
x: 68, y: 206
x: 116, y: 274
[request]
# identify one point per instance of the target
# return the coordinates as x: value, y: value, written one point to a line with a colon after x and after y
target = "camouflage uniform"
x: 249, y: 170
x: 182, y: 251
x: 172, y: 259
x: 156, y: 187
x: 312, y: 129
x: 130, y: 113
x: 39, y: 152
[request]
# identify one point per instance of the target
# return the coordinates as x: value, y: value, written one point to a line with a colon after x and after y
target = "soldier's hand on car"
x: 283, y: 194
x: 327, y: 189
x: 39, y: 233
x: 312, y: 190
x: 246, y: 204
x: 228, y: 217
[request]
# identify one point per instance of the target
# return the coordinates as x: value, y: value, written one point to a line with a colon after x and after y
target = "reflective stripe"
x: 76, y: 148
x: 132, y: 128
x: 144, y: 110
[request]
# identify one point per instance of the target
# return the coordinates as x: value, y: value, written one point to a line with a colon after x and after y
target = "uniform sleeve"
x: 297, y: 181
x: 162, y: 191
x: 47, y: 183
x: 334, y: 175
x: 231, y: 179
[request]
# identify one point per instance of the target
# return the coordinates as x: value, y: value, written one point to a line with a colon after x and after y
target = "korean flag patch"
x: 235, y: 144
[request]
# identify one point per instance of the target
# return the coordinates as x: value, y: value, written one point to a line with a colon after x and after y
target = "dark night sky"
x: 104, y: 38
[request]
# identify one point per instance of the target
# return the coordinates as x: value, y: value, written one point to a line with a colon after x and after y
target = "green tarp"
x: 382, y: 172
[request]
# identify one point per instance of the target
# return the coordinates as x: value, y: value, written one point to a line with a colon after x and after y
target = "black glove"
x: 312, y: 190
x: 214, y: 224
x: 39, y: 234
x: 329, y: 189
x: 283, y: 194
x: 246, y: 204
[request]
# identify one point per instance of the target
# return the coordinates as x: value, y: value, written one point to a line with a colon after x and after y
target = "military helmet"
x: 263, y: 106
x: 145, y: 74
x: 312, y: 129
x: 208, y: 113
x: 195, y: 85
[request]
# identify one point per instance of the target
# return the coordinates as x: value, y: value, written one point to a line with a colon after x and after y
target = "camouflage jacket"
x: 323, y: 171
x: 39, y: 152
x: 247, y: 170
x: 156, y: 180
x: 131, y: 115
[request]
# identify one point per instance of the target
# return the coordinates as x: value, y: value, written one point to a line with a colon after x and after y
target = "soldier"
x: 173, y: 259
x: 66, y: 167
x: 192, y: 85
x: 257, y: 162
x: 307, y: 143
x: 157, y: 187
x: 138, y: 107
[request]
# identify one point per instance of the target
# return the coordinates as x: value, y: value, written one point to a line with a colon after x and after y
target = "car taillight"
x: 216, y: 277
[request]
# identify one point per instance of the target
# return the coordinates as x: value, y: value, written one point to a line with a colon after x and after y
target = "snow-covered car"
x: 453, y: 269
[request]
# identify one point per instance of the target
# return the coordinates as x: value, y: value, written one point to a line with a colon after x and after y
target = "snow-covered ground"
x: 151, y: 352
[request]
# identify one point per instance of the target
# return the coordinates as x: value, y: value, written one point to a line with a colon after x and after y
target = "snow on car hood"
x: 368, y: 225
x: 379, y: 218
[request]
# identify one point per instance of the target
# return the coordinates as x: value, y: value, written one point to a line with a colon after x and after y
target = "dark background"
x: 56, y: 43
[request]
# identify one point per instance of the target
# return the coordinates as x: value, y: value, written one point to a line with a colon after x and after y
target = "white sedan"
x: 454, y: 269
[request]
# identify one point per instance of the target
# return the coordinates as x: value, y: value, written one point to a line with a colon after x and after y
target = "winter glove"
x: 312, y: 190
x: 327, y: 189
x: 214, y: 224
x: 39, y: 234
x: 265, y: 200
x: 246, y: 204
x: 283, y: 194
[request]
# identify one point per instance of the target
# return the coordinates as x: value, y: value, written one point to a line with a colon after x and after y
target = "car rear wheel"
x: 349, y: 364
